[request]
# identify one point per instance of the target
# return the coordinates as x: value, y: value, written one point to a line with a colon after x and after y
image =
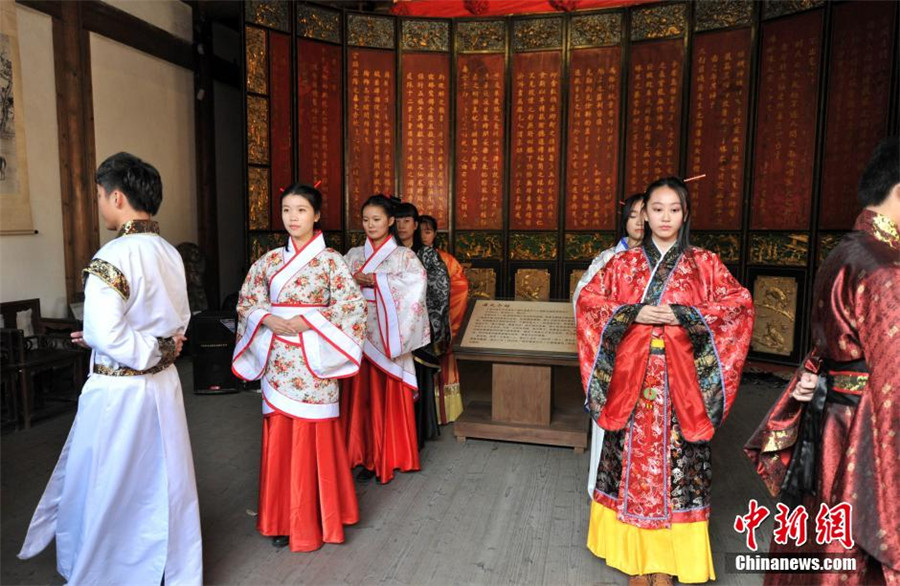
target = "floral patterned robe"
x: 299, y: 372
x: 398, y: 321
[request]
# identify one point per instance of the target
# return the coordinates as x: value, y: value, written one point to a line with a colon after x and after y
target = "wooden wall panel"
x: 523, y: 107
x: 536, y: 139
x: 720, y: 79
x: 480, y: 160
x: 859, y: 77
x: 654, y: 112
x: 371, y: 119
x: 280, y: 126
x: 786, y: 122
x: 592, y: 154
x: 425, y: 132
x: 320, y: 124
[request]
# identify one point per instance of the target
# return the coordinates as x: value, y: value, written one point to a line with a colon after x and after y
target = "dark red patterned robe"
x: 856, y: 330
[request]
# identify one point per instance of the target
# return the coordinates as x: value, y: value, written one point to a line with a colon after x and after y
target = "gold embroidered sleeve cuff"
x: 110, y: 275
x: 166, y: 347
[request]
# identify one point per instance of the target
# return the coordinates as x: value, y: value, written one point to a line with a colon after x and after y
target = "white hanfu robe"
x: 399, y: 323
x: 122, y: 500
x: 596, y: 431
x: 378, y: 405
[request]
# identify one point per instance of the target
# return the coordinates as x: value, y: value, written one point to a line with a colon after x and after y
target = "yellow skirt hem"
x: 636, y: 551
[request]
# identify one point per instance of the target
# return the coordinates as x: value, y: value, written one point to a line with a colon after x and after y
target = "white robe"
x: 122, y: 500
x: 596, y: 431
x: 398, y: 314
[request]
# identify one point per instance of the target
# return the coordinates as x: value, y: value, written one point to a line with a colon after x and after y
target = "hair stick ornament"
x: 695, y: 178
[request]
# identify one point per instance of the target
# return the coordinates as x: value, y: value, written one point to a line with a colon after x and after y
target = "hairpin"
x: 317, y: 184
x: 695, y: 178
x: 280, y: 191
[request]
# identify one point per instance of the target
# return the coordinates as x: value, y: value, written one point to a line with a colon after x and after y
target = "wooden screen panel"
x: 654, y: 112
x: 425, y: 167
x: 786, y: 122
x: 720, y: 76
x: 536, y: 131
x: 862, y: 42
x: 480, y: 99
x: 280, y: 131
x: 593, y: 139
x: 320, y: 125
x: 371, y: 116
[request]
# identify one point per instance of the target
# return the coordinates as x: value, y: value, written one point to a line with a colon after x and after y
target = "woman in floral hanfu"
x: 302, y: 321
x: 378, y: 404
x: 663, y: 332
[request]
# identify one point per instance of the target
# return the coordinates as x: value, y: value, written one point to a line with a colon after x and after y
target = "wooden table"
x: 523, y: 407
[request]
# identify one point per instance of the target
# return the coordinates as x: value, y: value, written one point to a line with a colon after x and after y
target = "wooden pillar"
x: 75, y: 117
x: 205, y: 140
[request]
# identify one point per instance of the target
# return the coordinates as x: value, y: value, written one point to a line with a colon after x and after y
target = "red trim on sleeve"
x: 327, y: 339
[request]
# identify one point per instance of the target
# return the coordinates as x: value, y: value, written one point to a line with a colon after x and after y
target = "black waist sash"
x: 802, y: 471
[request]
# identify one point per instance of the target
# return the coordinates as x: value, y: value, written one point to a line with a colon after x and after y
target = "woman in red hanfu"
x: 301, y: 325
x: 378, y: 404
x: 663, y: 332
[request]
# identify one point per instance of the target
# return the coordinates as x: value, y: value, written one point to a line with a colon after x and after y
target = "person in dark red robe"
x: 841, y: 443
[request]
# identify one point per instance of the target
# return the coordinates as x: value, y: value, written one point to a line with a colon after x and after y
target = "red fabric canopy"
x: 456, y: 8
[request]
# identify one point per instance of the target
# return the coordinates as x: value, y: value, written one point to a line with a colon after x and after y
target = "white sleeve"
x: 107, y: 331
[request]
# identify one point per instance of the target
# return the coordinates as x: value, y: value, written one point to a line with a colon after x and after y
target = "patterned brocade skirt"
x: 651, y: 502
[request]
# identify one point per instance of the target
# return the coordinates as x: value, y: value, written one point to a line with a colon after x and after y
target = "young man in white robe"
x: 122, y: 500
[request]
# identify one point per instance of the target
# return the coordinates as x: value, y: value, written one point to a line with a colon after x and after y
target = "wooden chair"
x: 37, y: 370
x: 9, y: 376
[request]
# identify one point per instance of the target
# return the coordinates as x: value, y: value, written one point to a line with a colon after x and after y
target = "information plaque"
x: 520, y: 327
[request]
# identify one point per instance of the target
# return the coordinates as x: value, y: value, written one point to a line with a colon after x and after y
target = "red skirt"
x: 305, y: 486
x: 378, y: 413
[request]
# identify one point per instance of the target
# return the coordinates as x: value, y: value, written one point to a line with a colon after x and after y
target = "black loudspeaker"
x: 211, y: 336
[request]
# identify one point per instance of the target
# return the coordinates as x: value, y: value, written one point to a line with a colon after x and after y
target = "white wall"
x: 145, y: 106
x: 141, y: 104
x: 34, y: 266
x: 172, y: 16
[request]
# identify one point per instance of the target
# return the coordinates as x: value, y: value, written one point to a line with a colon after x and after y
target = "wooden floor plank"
x: 482, y: 512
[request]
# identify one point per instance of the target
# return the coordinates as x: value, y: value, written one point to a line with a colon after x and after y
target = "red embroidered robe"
x: 704, y: 357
